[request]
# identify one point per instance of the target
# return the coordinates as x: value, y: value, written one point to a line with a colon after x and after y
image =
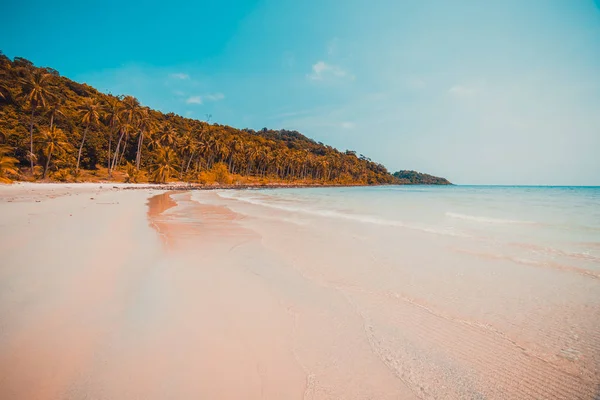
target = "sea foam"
x: 362, y: 218
x: 487, y: 220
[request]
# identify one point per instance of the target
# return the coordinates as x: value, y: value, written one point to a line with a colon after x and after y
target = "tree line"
x: 54, y: 128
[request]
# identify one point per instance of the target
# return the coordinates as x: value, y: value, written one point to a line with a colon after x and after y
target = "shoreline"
x: 196, y: 186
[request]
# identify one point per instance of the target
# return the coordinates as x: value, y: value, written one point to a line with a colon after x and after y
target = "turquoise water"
x: 545, y: 225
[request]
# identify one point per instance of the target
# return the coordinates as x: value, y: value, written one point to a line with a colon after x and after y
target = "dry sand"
x: 142, y: 294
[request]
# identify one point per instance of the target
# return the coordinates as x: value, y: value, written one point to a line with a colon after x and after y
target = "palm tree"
x: 89, y: 113
x: 124, y: 128
x: 128, y: 119
x: 131, y: 109
x: 253, y: 155
x: 55, y: 109
x: 5, y: 92
x: 187, y: 147
x: 112, y: 115
x: 146, y: 123
x: 7, y: 164
x: 168, y: 135
x: 54, y: 141
x: 165, y: 165
x: 213, y: 146
x: 153, y: 139
x: 35, y: 93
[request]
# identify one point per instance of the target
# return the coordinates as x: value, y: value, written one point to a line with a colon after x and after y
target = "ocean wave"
x: 534, y: 263
x: 339, y: 215
x: 557, y: 252
x: 487, y: 220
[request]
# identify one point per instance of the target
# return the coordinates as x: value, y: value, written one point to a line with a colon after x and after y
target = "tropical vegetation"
x: 418, y: 178
x: 54, y: 128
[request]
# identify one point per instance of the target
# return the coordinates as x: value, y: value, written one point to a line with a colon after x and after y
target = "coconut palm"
x: 53, y: 141
x: 165, y: 165
x: 253, y: 155
x: 146, y: 123
x: 153, y: 139
x: 5, y: 92
x: 7, y: 164
x: 124, y: 129
x: 128, y: 120
x: 168, y: 135
x: 35, y: 93
x: 186, y: 147
x: 131, y: 109
x: 112, y: 116
x: 89, y: 114
x: 55, y: 108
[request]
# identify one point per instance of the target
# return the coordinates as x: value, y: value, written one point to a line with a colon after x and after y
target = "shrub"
x: 221, y: 174
x: 132, y: 174
x: 62, y: 175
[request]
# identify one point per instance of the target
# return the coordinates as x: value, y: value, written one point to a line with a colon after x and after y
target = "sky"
x: 480, y: 92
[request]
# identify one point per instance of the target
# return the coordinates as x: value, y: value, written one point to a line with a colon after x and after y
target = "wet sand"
x: 112, y: 294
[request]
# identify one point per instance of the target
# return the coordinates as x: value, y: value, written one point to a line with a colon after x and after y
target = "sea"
x: 461, y: 291
x: 538, y: 225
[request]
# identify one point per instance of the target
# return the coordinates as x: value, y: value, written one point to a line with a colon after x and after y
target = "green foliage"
x: 217, y: 174
x: 8, y: 165
x: 165, y: 165
x: 116, y: 131
x: 62, y: 175
x: 132, y: 174
x: 53, y: 142
x: 417, y: 178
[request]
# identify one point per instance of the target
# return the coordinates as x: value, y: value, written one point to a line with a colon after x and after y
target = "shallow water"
x: 543, y: 225
x: 463, y: 292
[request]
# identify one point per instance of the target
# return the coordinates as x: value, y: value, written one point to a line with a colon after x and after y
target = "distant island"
x: 417, y: 178
x: 55, y: 129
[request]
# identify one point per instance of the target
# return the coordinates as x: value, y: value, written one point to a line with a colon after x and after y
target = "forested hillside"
x: 55, y: 129
x: 417, y: 178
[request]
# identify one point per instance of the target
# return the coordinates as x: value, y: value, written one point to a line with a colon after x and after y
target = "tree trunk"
x: 138, y: 156
x: 31, y: 139
x: 181, y: 167
x: 122, y: 153
x: 189, y: 162
x: 114, y: 163
x: 81, y: 147
x: 47, y: 164
x: 108, y: 157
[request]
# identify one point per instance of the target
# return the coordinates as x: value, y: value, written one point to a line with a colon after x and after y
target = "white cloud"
x: 206, y: 97
x: 322, y: 71
x: 214, y: 97
x: 462, y: 91
x: 179, y: 75
x: 194, y: 100
x: 348, y: 125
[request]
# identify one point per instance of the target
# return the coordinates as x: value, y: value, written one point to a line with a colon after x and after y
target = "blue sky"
x: 494, y: 92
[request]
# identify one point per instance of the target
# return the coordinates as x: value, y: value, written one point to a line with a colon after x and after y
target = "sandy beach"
x: 108, y: 293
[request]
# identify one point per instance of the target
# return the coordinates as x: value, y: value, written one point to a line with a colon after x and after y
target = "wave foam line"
x: 335, y: 214
x: 487, y: 220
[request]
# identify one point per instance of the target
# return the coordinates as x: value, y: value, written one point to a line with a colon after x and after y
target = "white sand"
x: 103, y: 297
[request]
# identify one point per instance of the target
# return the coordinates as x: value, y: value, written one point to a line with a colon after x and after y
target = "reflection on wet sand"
x: 187, y: 222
